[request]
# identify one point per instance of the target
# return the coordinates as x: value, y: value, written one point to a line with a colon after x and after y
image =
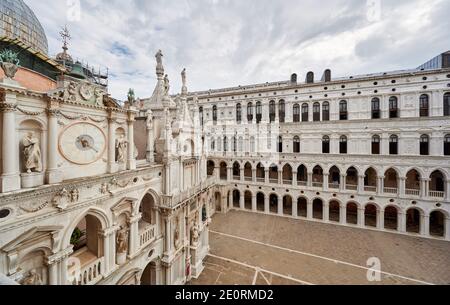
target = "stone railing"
x: 437, y: 194
x: 273, y: 181
x: 371, y: 189
x: 302, y: 183
x: 391, y: 190
x: 147, y: 235
x: 412, y: 192
x: 172, y: 201
x: 317, y: 184
x: 90, y: 274
x: 351, y: 187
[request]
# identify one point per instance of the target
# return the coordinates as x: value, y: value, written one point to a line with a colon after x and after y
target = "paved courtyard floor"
x: 248, y: 249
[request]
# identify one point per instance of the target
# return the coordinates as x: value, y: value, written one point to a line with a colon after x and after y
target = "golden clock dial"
x: 82, y: 143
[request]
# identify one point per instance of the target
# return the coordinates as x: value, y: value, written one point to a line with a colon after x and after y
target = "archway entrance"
x: 318, y: 209
x: 352, y: 213
x: 260, y: 202
x: 370, y: 216
x: 274, y: 204
x: 335, y: 211
x: 413, y: 221
x: 236, y: 199
x: 437, y: 224
x: 391, y: 218
x: 302, y: 207
x: 248, y: 200
x: 148, y: 277
x: 218, y: 202
x: 287, y: 205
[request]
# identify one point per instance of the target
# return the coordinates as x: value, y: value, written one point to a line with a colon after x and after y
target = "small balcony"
x: 437, y: 194
x: 351, y: 187
x: 147, y: 234
x: 370, y: 189
x: 391, y: 190
x: 412, y: 192
x: 91, y: 268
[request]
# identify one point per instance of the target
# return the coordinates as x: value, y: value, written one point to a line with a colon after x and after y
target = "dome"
x: 17, y: 21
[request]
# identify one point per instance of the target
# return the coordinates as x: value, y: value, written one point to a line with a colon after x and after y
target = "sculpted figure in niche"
x: 33, y: 278
x: 195, y: 235
x: 32, y: 153
x: 177, y: 234
x: 121, y: 146
x: 166, y: 85
x: 122, y: 241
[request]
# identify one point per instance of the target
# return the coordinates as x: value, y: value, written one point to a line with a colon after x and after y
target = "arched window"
x: 258, y: 112
x: 219, y: 144
x: 424, y: 105
x: 325, y: 111
x: 447, y: 145
x: 239, y: 113
x: 296, y: 113
x: 305, y: 113
x: 250, y: 112
x: 424, y: 145
x: 376, y: 113
x: 316, y: 112
x: 213, y: 144
x: 447, y: 104
x: 225, y: 144
x: 343, y: 111
x: 200, y: 111
x: 234, y: 144
x: 280, y: 144
x: 252, y: 145
x: 393, y: 145
x: 296, y: 144
x: 214, y: 114
x: 282, y: 111
x: 376, y: 145
x: 343, y: 145
x: 326, y: 145
x: 241, y: 144
x: 393, y: 107
x: 272, y: 111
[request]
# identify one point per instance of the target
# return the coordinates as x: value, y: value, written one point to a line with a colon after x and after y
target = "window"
x: 282, y: 111
x: 447, y: 145
x: 393, y: 145
x: 296, y: 144
x: 250, y: 112
x: 219, y: 144
x: 296, y: 113
x: 424, y: 145
x: 280, y: 144
x: 326, y: 111
x: 272, y: 114
x: 424, y: 105
x: 393, y: 107
x: 213, y: 145
x: 343, y: 145
x: 234, y: 144
x: 376, y: 114
x: 316, y: 112
x: 214, y: 114
x: 305, y: 113
x: 343, y: 111
x: 200, y: 110
x: 258, y: 112
x: 376, y: 145
x: 225, y: 144
x: 239, y: 113
x: 326, y: 145
x: 447, y: 104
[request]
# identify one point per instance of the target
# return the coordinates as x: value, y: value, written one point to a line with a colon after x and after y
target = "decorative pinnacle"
x: 65, y: 35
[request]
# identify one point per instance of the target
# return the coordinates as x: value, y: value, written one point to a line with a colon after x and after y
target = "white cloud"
x: 231, y: 42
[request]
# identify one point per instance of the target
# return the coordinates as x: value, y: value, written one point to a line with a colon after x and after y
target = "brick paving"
x: 410, y: 257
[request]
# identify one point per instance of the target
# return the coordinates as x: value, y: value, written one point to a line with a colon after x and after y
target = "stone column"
x: 150, y: 138
x: 425, y: 225
x: 112, y: 165
x: 447, y: 191
x: 380, y: 185
x: 310, y: 179
x: 266, y: 172
x: 254, y: 175
x: 326, y: 180
x: 361, y: 217
x: 230, y: 200
x: 53, y: 175
x: 131, y: 164
x: 254, y: 205
x: 280, y: 177
x: 229, y: 173
x: 343, y: 183
x: 447, y: 228
x: 343, y: 214
x: 309, y: 210
x: 326, y: 211
x: 10, y: 178
x: 217, y: 172
x: 242, y: 201
x: 134, y: 235
x: 294, y: 208
x: 168, y: 236
x: 427, y: 187
x: 423, y: 187
x: 242, y: 174
x: 107, y: 250
x: 266, y: 204
x: 280, y: 205
x: 380, y: 219
x: 294, y: 179
x: 361, y: 184
x: 402, y: 222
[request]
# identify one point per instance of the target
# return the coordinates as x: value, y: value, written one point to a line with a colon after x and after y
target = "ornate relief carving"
x: 7, y: 107
x: 30, y: 113
x: 32, y: 207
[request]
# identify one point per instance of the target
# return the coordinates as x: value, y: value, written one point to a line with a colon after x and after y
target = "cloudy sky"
x: 226, y: 43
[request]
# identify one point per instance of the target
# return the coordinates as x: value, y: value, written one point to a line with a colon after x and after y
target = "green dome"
x: 17, y: 21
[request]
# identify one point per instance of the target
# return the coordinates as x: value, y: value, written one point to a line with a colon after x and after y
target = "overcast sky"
x: 226, y: 43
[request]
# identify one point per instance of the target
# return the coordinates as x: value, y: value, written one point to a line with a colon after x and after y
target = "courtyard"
x: 256, y: 249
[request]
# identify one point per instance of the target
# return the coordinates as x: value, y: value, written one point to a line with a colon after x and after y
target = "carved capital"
x: 53, y: 113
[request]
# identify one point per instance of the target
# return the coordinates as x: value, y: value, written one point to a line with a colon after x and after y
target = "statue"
x: 166, y: 85
x: 195, y: 235
x: 74, y: 195
x: 98, y: 97
x: 183, y: 77
x: 32, y: 279
x: 131, y: 97
x: 32, y: 153
x: 121, y: 146
x: 177, y: 234
x: 149, y: 121
x: 159, y: 55
x: 122, y: 241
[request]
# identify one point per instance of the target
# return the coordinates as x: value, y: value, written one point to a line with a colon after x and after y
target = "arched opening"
x: 272, y: 111
x: 305, y: 113
x: 326, y: 145
x: 370, y: 215
x: 335, y: 211
x: 393, y: 107
x: 210, y: 168
x: 287, y: 174
x: 343, y: 111
x: 273, y: 204
x: 148, y: 277
x: 425, y: 145
x: 316, y: 112
x: 376, y: 112
x: 376, y: 141
x: 280, y: 144
x: 225, y: 144
x: 352, y: 179
x: 248, y: 200
x: 424, y: 105
x: 318, y: 209
x: 250, y: 112
x: 147, y: 210
x: 223, y: 171
x: 296, y: 113
x: 393, y: 145
x: 296, y: 145
x: 287, y: 205
x: 214, y: 114
x: 282, y: 111
x: 248, y: 172
x: 391, y: 181
x: 258, y: 112
x: 334, y: 179
x: 437, y: 185
x: 370, y: 180
x: 352, y: 213
x: 302, y: 175
x: 325, y: 111
x: 260, y: 173
x: 447, y: 145
x: 273, y: 174
x: 343, y: 145
x: 413, y: 221
x: 447, y: 104
x: 260, y: 202
x: 238, y: 113
x: 391, y: 218
x: 317, y: 177
x: 236, y: 199
x: 412, y: 183
x: 236, y: 171
x: 302, y: 207
x: 437, y: 224
x: 218, y: 202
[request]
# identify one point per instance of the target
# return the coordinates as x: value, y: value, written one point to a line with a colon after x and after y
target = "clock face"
x: 82, y: 143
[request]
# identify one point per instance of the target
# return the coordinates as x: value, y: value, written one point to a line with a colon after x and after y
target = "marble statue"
x: 122, y: 241
x: 195, y: 235
x: 121, y: 146
x: 166, y: 85
x: 159, y: 55
x: 32, y: 153
x: 177, y: 234
x: 32, y: 279
x: 183, y: 77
